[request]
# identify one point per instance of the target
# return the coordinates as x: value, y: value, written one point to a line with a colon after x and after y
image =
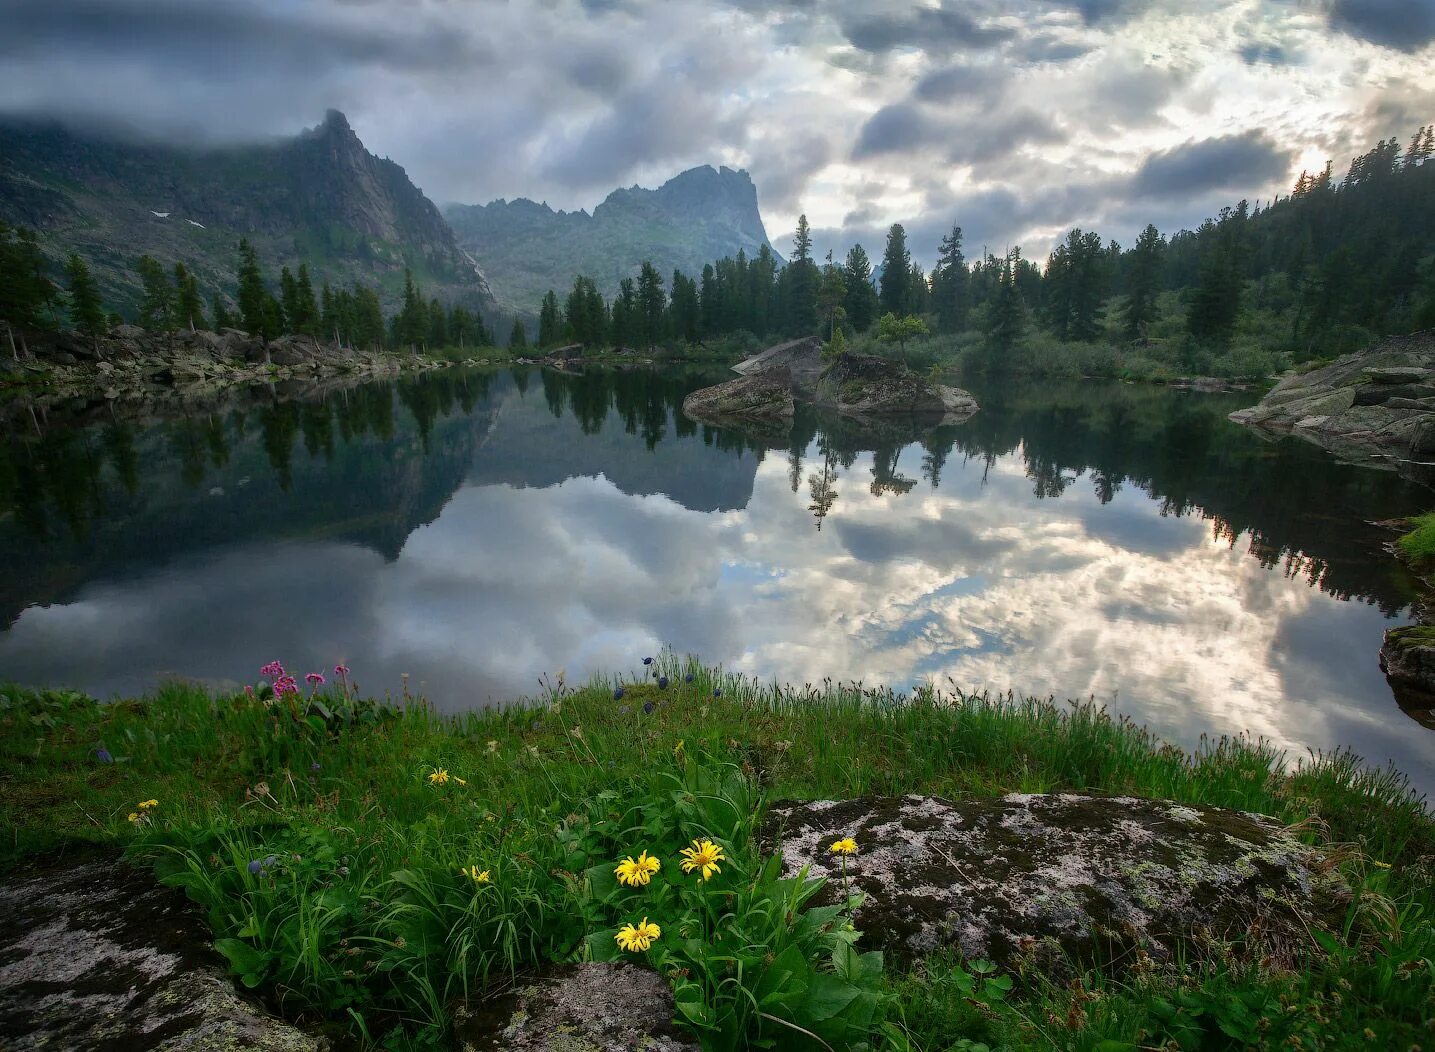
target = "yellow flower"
x: 637, y: 939
x: 678, y: 751
x: 439, y: 777
x: 1379, y: 864
x: 134, y: 818
x: 146, y: 804
x: 492, y: 746
x: 845, y: 846
x: 637, y: 872
x: 459, y: 780
x: 478, y: 876
x: 704, y: 855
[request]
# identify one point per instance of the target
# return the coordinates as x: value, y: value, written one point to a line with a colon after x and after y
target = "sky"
x: 1015, y: 120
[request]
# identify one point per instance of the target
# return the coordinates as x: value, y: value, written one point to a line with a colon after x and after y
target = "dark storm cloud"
x: 952, y: 82
x: 219, y: 38
x: 932, y: 29
x: 980, y: 136
x: 1406, y: 25
x: 1268, y: 54
x: 1232, y: 162
x: 897, y: 128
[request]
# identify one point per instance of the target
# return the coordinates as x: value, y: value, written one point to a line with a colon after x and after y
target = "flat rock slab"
x: 801, y: 358
x: 97, y: 957
x: 1034, y: 878
x: 578, y: 1008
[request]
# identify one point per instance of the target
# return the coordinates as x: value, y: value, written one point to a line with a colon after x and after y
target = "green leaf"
x: 602, y: 946
x: 602, y: 881
x: 826, y: 996
x: 244, y: 959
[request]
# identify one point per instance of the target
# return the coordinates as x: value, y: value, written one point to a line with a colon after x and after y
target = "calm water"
x: 480, y: 530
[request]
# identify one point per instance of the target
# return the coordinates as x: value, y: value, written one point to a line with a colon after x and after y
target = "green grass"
x: 358, y: 913
x: 1418, y: 546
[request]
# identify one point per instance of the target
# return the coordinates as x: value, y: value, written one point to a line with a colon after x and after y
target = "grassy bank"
x: 366, y: 864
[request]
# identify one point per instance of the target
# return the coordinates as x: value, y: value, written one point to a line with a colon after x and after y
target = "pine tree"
x: 26, y: 292
x: 518, y: 338
x: 304, y: 318
x: 189, y: 305
x: 949, y: 283
x: 1074, y: 285
x: 289, y: 297
x: 831, y: 295
x: 548, y: 321
x: 1143, y: 281
x: 438, y: 337
x: 1006, y: 315
x: 222, y: 318
x: 685, y: 313
x: 919, y: 293
x: 893, y: 294
x: 157, y: 306
x: 412, y: 321
x: 651, y: 300
x: 86, y: 311
x: 624, y: 328
x: 802, y: 241
x: 797, y: 285
x: 253, y: 297
x: 860, y: 302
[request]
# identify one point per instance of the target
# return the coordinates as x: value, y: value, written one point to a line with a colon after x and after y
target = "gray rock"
x: 801, y: 358
x: 96, y: 956
x: 867, y: 385
x: 1062, y: 876
x: 1370, y: 402
x: 580, y: 1008
x: 762, y: 396
x: 1407, y: 657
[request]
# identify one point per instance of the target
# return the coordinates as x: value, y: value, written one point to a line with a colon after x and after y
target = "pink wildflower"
x: 285, y: 685
x: 341, y: 671
x: 273, y: 670
x: 315, y: 679
x: 248, y: 690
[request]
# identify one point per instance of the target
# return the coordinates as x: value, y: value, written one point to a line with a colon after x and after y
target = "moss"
x: 1418, y: 546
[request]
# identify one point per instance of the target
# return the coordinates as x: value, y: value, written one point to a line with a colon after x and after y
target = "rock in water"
x: 1047, y: 878
x: 1407, y: 657
x: 97, y: 956
x: 580, y: 1008
x: 762, y: 396
x: 802, y: 359
x: 1376, y: 401
x: 867, y: 385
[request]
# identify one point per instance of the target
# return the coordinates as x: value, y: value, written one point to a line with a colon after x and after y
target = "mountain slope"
x: 319, y: 198
x: 692, y: 219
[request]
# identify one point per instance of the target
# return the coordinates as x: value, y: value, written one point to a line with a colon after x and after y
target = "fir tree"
x: 438, y: 337
x: 651, y: 300
x: 518, y: 338
x: 893, y: 294
x: 222, y: 318
x: 189, y: 305
x: 548, y: 320
x: 949, y: 283
x: 157, y: 305
x: 253, y: 297
x: 1143, y: 281
x: 860, y: 302
x: 86, y: 311
x: 304, y: 318
x: 831, y: 295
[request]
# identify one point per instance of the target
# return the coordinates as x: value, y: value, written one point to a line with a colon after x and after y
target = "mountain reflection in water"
x: 477, y: 530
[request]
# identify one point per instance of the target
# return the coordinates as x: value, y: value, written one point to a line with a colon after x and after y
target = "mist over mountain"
x: 318, y: 198
x: 527, y: 248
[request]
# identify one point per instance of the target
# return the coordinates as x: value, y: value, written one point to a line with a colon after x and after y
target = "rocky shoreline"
x: 1375, y: 407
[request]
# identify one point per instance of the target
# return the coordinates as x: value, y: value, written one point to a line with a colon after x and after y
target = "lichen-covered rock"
x: 97, y: 957
x: 762, y: 396
x: 1364, y: 404
x: 1407, y: 657
x: 579, y: 1008
x: 1050, y: 878
x: 867, y: 385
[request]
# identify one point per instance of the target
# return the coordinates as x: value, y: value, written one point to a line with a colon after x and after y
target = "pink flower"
x: 341, y: 671
x: 315, y: 679
x: 248, y: 690
x: 285, y: 685
x: 273, y: 670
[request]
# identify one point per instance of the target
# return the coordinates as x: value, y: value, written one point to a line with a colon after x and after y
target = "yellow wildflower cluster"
x: 440, y: 776
x: 473, y: 873
x: 142, y: 815
x: 702, y: 857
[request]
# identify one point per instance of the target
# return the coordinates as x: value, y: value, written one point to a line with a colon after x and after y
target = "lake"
x: 478, y: 531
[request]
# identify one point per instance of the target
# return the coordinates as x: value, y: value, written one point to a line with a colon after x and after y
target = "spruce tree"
x: 949, y: 283
x: 1006, y: 315
x: 518, y: 338
x: 831, y: 295
x: 252, y: 296
x: 222, y: 318
x: 1143, y: 282
x: 26, y: 292
x: 651, y: 301
x: 548, y: 320
x: 289, y: 297
x: 305, y: 317
x: 189, y: 306
x: 893, y: 294
x: 797, y: 285
x: 860, y: 302
x: 411, y: 326
x: 157, y: 305
x: 86, y: 311
x: 438, y: 335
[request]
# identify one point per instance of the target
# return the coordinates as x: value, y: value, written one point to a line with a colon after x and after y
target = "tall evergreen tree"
x: 188, y: 304
x: 304, y: 318
x: 685, y: 312
x: 949, y: 283
x: 1006, y: 315
x: 518, y: 337
x: 831, y: 295
x: 797, y: 285
x: 157, y: 306
x: 893, y: 295
x: 86, y: 311
x: 1074, y: 285
x: 222, y: 318
x: 860, y: 302
x: 625, y: 329
x: 651, y: 301
x: 412, y: 321
x: 26, y: 293
x: 438, y: 336
x: 1143, y: 281
x: 253, y: 297
x: 548, y: 321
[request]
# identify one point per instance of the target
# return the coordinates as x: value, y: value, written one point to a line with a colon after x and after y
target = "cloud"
x: 935, y: 29
x: 1406, y: 25
x: 1237, y: 163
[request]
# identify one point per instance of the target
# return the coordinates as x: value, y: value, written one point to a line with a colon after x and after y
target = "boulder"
x: 1407, y: 657
x: 802, y: 359
x: 1050, y: 878
x: 868, y: 385
x: 1376, y: 401
x: 763, y: 396
x: 589, y: 1007
x: 96, y: 955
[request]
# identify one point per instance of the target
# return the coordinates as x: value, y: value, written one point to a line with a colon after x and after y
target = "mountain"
x: 318, y: 198
x: 692, y: 219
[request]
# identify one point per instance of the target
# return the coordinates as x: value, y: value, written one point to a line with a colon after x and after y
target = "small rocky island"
x: 858, y: 385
